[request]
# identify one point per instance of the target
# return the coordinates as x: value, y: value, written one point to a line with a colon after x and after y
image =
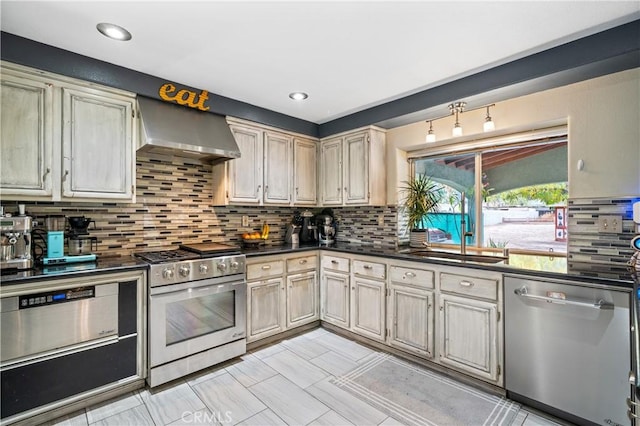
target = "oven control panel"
x: 55, y: 297
x: 196, y: 269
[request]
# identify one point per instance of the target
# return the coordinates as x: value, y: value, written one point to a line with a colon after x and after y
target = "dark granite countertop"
x: 619, y: 279
x: 105, y: 264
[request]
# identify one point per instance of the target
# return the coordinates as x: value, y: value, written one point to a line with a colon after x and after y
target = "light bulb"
x: 431, y: 137
x: 457, y: 130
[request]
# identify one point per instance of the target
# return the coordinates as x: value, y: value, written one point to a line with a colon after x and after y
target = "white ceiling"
x: 347, y: 55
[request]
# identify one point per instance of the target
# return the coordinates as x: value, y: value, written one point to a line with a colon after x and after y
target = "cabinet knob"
x: 46, y: 172
x: 66, y: 173
x: 466, y: 283
x: 353, y: 288
x: 409, y: 274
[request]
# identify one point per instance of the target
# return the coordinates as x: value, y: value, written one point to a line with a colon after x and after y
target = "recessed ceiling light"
x: 114, y: 31
x: 298, y: 96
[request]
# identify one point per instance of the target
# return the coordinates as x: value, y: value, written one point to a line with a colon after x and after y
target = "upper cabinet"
x: 275, y: 168
x: 64, y: 139
x: 353, y: 169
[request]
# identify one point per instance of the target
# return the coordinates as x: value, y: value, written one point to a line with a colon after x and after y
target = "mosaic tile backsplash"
x: 590, y: 251
x: 173, y: 206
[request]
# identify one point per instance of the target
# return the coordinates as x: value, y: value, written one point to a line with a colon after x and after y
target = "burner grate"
x: 166, y: 256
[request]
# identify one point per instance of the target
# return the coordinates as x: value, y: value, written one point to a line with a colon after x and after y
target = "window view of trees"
x: 523, y: 190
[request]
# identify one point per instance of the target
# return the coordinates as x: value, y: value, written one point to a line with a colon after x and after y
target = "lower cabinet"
x: 411, y: 319
x: 368, y: 307
x: 335, y: 293
x: 468, y: 336
x: 282, y: 293
x: 265, y: 308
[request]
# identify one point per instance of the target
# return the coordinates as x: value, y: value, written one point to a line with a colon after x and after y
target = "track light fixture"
x: 457, y: 108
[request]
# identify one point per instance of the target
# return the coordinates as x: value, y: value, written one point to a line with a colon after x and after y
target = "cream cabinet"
x: 305, y: 172
x: 410, y: 308
x: 335, y: 290
x: 368, y: 298
x: 352, y: 168
x: 282, y: 293
x: 275, y: 168
x: 65, y: 139
x: 470, y: 336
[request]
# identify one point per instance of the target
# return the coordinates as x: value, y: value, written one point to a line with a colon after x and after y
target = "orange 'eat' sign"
x: 185, y: 97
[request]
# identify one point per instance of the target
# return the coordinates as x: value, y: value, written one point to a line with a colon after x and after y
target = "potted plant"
x: 422, y: 196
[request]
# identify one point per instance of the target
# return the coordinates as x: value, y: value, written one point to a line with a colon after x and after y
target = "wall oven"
x: 197, y: 311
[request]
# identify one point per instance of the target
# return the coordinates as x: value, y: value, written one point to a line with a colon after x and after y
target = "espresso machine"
x: 15, y: 234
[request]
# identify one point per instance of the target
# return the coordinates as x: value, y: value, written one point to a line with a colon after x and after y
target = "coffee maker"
x: 15, y: 234
x: 56, y: 237
x: 308, y: 231
x: 80, y: 243
x: 326, y: 228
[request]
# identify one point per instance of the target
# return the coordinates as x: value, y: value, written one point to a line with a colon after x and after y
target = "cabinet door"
x: 245, y: 173
x: 411, y: 319
x: 302, y: 299
x: 331, y: 172
x: 27, y: 137
x: 265, y: 308
x: 368, y: 307
x: 305, y: 178
x: 335, y: 298
x: 278, y: 164
x: 97, y: 145
x: 468, y: 336
x: 356, y: 169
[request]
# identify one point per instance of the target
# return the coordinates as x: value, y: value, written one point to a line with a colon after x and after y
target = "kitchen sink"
x: 457, y: 256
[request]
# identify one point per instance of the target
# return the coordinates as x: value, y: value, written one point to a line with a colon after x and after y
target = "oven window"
x: 195, y: 317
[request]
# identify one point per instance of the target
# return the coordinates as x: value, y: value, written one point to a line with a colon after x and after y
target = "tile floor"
x: 286, y: 383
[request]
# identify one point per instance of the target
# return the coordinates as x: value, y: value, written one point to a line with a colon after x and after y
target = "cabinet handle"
x: 46, y: 172
x: 631, y: 403
x: 345, y: 189
x: 466, y: 283
x: 409, y: 274
x: 266, y: 189
x: 339, y: 189
x: 66, y: 173
x: 335, y: 262
x: 296, y: 191
x: 258, y: 189
x: 368, y: 267
x: 353, y: 288
x: 303, y: 261
x: 631, y: 415
x: 265, y: 267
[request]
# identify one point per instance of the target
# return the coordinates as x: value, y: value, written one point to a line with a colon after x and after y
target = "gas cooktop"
x: 164, y: 256
x: 188, y: 252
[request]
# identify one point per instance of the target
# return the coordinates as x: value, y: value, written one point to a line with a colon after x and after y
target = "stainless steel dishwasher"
x: 567, y: 349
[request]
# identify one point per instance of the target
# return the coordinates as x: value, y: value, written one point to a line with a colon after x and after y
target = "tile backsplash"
x: 173, y: 206
x: 592, y: 251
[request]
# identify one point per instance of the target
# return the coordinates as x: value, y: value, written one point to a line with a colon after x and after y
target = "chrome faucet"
x: 463, y: 226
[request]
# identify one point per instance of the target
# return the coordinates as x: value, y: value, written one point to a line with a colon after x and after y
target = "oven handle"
x: 215, y: 283
x: 60, y: 352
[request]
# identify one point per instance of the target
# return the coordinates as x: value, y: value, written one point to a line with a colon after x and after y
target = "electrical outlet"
x: 610, y: 224
x: 245, y: 220
x: 380, y: 220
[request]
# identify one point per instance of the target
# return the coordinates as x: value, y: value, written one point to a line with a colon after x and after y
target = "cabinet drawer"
x: 469, y: 286
x: 415, y: 277
x: 301, y: 263
x: 335, y: 263
x: 261, y: 270
x: 370, y: 269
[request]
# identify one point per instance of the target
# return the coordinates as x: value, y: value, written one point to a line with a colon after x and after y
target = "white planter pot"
x: 417, y: 238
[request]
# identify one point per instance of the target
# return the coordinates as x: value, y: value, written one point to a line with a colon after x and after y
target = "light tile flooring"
x: 286, y: 383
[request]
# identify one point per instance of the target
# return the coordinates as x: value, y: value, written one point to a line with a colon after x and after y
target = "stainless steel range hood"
x: 175, y: 130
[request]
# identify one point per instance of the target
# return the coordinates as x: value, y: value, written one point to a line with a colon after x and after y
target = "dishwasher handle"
x: 598, y: 304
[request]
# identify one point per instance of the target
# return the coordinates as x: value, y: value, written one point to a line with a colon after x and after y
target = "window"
x: 522, y: 194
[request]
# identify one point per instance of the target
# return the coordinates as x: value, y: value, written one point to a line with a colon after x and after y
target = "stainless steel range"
x: 197, y: 309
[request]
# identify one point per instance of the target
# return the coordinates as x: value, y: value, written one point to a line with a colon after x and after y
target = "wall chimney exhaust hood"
x: 175, y: 130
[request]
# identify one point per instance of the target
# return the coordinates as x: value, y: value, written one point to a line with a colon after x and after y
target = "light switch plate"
x: 610, y: 224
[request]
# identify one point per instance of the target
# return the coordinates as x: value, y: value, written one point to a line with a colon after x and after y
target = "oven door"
x: 188, y: 318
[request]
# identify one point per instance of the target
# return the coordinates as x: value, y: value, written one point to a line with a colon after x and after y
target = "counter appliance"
x: 326, y: 229
x: 15, y: 233
x: 80, y: 245
x: 197, y: 309
x: 567, y: 349
x: 308, y: 230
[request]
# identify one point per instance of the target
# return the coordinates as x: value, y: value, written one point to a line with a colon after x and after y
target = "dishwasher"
x: 568, y: 349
